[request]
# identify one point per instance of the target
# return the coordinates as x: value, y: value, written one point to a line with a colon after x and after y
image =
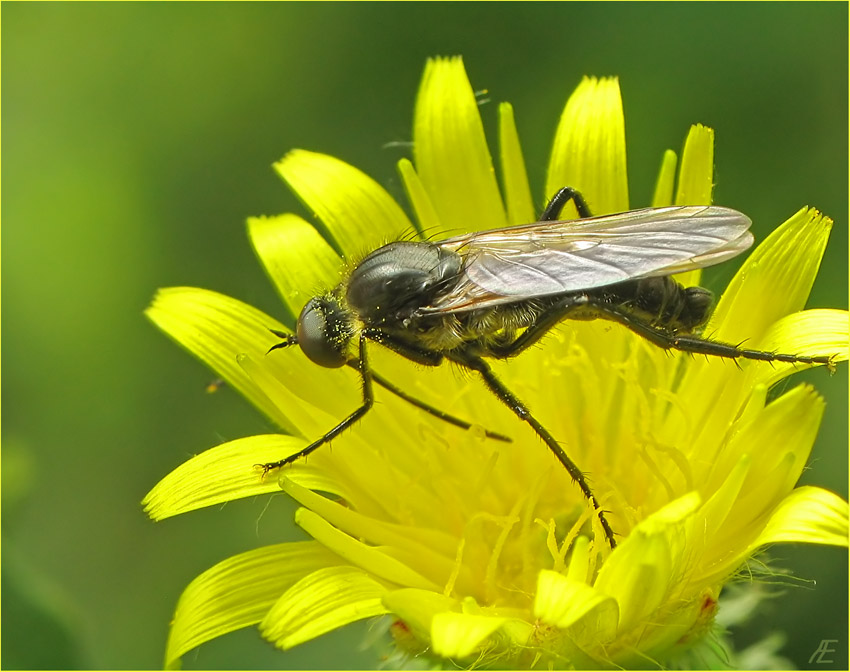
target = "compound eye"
x: 322, y: 333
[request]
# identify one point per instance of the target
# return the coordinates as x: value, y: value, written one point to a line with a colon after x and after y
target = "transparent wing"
x: 545, y: 258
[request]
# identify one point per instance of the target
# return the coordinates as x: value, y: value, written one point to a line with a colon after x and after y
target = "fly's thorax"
x: 440, y: 332
x: 478, y: 328
x: 325, y: 329
x: 392, y: 283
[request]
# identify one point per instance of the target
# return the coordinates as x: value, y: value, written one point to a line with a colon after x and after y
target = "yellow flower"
x: 484, y: 552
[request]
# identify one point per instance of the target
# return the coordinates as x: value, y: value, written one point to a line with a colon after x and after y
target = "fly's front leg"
x: 368, y: 399
x: 428, y: 358
x: 436, y: 412
x: 512, y: 402
x: 411, y: 352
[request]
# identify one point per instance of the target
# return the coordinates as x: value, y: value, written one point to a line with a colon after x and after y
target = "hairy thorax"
x: 477, y: 330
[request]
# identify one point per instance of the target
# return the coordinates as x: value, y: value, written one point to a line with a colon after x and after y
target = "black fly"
x: 492, y: 294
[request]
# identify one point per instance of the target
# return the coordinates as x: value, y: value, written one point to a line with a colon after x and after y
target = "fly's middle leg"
x: 521, y: 411
x: 542, y: 324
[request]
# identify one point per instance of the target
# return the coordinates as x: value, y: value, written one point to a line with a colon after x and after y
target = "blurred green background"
x: 139, y: 137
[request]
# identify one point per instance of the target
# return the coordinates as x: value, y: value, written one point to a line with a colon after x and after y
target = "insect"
x: 493, y: 294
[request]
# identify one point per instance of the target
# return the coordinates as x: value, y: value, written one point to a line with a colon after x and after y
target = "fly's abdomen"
x: 663, y: 302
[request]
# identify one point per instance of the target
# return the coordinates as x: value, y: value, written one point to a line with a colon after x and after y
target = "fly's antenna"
x: 288, y: 339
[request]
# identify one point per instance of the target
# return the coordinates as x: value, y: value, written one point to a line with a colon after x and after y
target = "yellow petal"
x: 327, y: 599
x: 219, y: 475
x: 589, y: 152
x: 456, y: 635
x: 514, y: 177
x: 429, y: 221
x: 697, y: 169
x: 816, y: 332
x: 562, y: 602
x: 579, y: 560
x: 216, y: 328
x: 429, y: 552
x: 369, y: 558
x: 298, y: 260
x: 450, y: 150
x: 417, y: 608
x: 641, y: 571
x: 355, y: 213
x: 272, y: 376
x: 787, y: 425
x: 774, y: 281
x: 808, y: 515
x: 666, y: 177
x: 238, y: 592
x: 695, y: 181
x: 717, y: 508
x: 690, y: 619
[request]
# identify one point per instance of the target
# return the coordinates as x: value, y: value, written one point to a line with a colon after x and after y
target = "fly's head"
x: 324, y: 331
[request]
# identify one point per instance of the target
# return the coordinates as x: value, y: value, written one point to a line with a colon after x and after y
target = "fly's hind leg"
x: 669, y: 340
